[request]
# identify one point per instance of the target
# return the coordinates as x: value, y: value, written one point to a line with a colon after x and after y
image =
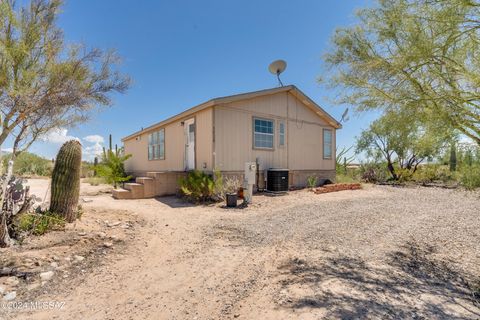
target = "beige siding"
x: 224, y: 138
x: 306, y: 147
x: 174, y: 146
x: 204, y: 139
x: 304, y: 130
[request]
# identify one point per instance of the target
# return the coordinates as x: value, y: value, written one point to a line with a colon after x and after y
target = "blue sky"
x: 181, y: 53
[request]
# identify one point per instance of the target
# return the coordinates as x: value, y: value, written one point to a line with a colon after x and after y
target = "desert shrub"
x: 470, y: 177
x: 404, y: 174
x: 219, y: 184
x: 348, y: 176
x: 95, y: 181
x: 231, y: 185
x: 198, y: 186
x: 372, y: 172
x: 29, y: 164
x: 87, y: 170
x: 312, y: 181
x: 345, y: 178
x: 433, y: 172
x: 39, y: 223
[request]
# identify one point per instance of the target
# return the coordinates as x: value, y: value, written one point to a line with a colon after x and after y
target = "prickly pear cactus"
x: 66, y: 180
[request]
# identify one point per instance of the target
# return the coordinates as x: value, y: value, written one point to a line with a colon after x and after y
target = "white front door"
x: 189, y: 126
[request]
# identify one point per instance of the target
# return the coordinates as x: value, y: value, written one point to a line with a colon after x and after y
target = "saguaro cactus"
x: 66, y: 180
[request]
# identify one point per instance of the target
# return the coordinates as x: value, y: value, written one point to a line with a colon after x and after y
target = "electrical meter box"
x: 250, y: 172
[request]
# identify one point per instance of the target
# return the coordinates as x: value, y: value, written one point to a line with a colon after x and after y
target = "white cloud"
x: 58, y: 136
x: 9, y: 150
x: 90, y: 152
x: 94, y: 138
x: 92, y: 144
x: 96, y: 147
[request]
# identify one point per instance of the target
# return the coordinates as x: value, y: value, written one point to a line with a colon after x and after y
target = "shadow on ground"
x: 412, y: 284
x: 175, y: 202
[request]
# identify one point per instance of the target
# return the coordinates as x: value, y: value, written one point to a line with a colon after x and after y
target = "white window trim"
x: 268, y: 134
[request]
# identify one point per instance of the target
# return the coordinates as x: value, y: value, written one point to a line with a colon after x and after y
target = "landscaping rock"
x: 33, y: 286
x: 46, y: 276
x: 114, y: 224
x: 79, y: 258
x: 12, y: 281
x: 2, y: 290
x: 108, y: 244
x: 10, y: 296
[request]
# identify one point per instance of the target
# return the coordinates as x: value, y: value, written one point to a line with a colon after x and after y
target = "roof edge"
x: 331, y: 120
x: 241, y: 96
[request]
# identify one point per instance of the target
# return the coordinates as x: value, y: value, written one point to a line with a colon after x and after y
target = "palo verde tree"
x: 44, y: 83
x: 403, y: 142
x: 421, y: 55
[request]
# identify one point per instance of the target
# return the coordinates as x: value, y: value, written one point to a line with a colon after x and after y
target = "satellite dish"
x: 276, y: 68
x: 344, y: 116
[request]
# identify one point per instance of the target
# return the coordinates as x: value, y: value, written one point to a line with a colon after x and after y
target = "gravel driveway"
x: 381, y: 252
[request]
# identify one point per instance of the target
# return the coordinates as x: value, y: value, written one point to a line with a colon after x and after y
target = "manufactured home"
x: 276, y: 128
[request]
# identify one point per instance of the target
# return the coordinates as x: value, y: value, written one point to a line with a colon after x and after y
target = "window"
x: 281, y: 134
x: 327, y: 144
x: 262, y: 133
x: 156, y: 145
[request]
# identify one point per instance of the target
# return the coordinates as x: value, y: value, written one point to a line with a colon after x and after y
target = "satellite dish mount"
x: 276, y: 68
x: 344, y: 116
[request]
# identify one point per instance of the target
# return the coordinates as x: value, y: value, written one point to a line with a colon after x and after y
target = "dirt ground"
x: 380, y: 252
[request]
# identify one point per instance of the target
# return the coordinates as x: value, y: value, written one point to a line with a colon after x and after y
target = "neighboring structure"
x: 278, y: 128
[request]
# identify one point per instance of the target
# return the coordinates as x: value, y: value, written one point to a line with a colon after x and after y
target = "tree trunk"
x: 391, y: 169
x: 453, y: 158
x: 5, y: 240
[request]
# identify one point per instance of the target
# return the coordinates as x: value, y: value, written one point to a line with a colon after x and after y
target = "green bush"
x: 372, y: 172
x: 29, y: 164
x: 433, y: 172
x: 95, y: 181
x: 312, y: 181
x: 199, y: 186
x: 40, y: 223
x: 345, y: 178
x: 87, y: 170
x: 111, y: 168
x: 219, y: 188
x: 404, y: 174
x: 470, y: 177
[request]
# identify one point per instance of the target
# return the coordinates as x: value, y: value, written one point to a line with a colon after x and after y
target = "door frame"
x: 186, y: 123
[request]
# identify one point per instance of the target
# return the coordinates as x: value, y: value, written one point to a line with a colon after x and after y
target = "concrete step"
x: 148, y: 186
x: 137, y: 189
x: 122, y: 194
x: 132, y: 185
x: 156, y: 183
x: 142, y: 180
x: 155, y: 174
